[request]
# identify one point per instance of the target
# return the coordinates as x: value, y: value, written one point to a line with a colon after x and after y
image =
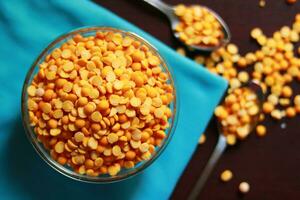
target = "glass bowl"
x: 44, y: 153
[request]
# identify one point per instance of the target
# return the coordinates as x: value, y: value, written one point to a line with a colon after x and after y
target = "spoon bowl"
x: 222, y: 143
x: 254, y: 87
x: 169, y: 11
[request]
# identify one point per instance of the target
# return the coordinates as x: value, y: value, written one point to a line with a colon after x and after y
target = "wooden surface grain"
x: 272, y: 164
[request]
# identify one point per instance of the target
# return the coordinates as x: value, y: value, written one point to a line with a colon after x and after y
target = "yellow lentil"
x: 226, y: 175
x: 244, y: 187
x: 59, y: 147
x: 202, y: 139
x: 261, y: 130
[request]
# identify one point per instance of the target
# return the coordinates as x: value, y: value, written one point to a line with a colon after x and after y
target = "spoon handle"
x: 163, y: 7
x: 218, y: 151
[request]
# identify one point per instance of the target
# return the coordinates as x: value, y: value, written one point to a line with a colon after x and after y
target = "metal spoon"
x: 169, y: 11
x: 222, y: 144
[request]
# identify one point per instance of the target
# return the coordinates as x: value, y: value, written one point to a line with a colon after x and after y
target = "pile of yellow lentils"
x: 100, y: 103
x: 197, y: 26
x: 275, y: 66
x: 238, y: 112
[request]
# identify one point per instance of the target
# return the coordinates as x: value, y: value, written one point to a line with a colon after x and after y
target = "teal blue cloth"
x: 26, y: 27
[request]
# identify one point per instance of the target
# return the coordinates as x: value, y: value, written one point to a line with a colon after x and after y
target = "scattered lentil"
x: 226, y: 175
x: 202, y: 139
x: 261, y: 130
x: 244, y: 187
x: 262, y: 3
x: 291, y: 1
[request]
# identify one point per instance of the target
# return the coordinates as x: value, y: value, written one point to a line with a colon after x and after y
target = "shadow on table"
x: 33, y: 179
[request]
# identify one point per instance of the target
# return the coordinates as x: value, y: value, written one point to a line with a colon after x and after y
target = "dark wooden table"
x: 272, y: 164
